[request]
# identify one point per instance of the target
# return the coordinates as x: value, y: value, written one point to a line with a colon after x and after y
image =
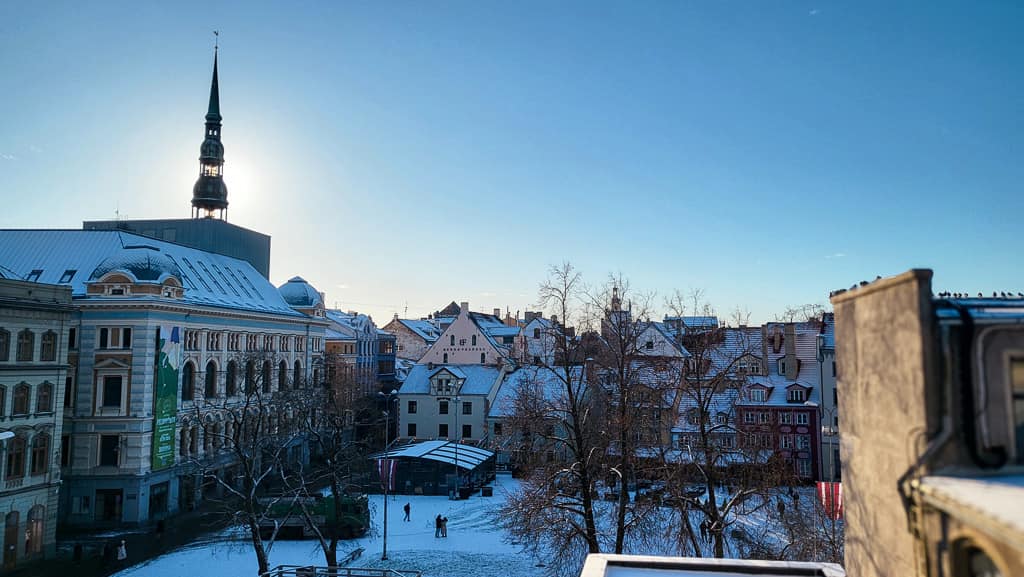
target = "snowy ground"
x: 474, y: 546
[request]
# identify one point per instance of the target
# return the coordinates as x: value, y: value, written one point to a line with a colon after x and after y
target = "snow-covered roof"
x: 209, y: 279
x: 299, y: 293
x: 480, y: 379
x: 995, y: 502
x: 694, y: 322
x: 469, y: 457
x: 777, y: 386
x: 424, y: 328
x: 351, y: 324
x: 545, y: 379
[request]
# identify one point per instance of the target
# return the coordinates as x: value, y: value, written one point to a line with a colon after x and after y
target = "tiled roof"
x: 479, y: 379
x: 208, y: 278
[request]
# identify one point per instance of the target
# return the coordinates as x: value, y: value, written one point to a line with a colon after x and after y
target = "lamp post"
x: 387, y: 465
x: 457, y: 436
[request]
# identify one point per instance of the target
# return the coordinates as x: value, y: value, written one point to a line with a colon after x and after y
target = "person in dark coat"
x: 407, y: 508
x: 437, y: 525
x: 444, y: 526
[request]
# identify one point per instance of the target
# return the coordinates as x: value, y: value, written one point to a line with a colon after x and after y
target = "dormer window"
x: 796, y: 395
x: 782, y: 366
x: 649, y: 345
x: 758, y: 395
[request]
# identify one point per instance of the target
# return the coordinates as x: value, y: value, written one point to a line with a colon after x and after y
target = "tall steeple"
x: 209, y: 193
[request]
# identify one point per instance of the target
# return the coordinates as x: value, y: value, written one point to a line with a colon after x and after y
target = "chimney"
x: 497, y: 313
x: 792, y: 366
x: 554, y: 319
x: 463, y: 309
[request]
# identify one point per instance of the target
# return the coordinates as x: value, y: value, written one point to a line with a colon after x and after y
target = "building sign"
x: 165, y: 396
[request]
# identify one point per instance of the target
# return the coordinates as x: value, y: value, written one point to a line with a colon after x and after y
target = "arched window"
x: 282, y: 376
x: 48, y: 347
x: 44, y: 398
x: 231, y: 380
x: 474, y: 340
x: 20, y: 404
x: 210, y: 390
x: 15, y: 458
x: 5, y: 345
x: 444, y: 358
x: 250, y: 377
x: 483, y: 358
x: 188, y: 382
x: 26, y: 344
x: 40, y: 454
x: 267, y: 376
x: 34, y: 530
x: 297, y: 375
x: 453, y: 340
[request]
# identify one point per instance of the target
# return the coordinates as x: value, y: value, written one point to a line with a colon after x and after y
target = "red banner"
x: 386, y: 470
x: 831, y: 497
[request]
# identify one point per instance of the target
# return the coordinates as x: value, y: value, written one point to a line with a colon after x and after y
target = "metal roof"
x: 70, y: 257
x: 469, y: 457
x: 479, y: 379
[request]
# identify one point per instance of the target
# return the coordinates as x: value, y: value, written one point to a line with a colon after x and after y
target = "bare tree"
x: 801, y: 313
x: 561, y: 445
x: 250, y: 431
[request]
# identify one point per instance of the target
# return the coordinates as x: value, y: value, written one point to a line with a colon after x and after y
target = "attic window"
x: 782, y: 366
x: 757, y: 395
x: 67, y: 276
x: 649, y: 345
x: 34, y: 275
x: 796, y: 395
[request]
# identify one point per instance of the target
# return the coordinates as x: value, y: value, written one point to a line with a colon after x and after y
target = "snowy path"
x: 474, y: 546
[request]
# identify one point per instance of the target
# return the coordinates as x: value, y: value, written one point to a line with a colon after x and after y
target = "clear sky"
x: 414, y: 153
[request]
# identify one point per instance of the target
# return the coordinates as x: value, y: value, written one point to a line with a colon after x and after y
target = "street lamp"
x: 387, y: 464
x: 458, y: 408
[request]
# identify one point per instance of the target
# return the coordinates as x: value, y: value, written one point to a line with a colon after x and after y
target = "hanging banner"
x: 386, y: 469
x: 165, y: 395
x: 830, y: 495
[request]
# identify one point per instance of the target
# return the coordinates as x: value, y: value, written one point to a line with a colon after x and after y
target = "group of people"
x: 440, y: 523
x: 705, y: 532
x: 440, y: 526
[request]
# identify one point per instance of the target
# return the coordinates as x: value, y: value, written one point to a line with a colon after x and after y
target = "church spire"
x: 209, y: 193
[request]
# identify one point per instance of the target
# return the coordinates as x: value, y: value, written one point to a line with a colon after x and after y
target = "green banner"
x: 165, y: 396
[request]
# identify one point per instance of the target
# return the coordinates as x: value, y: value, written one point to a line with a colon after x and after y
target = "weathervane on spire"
x: 216, y: 40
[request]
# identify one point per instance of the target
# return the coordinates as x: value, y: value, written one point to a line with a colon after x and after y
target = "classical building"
x: 37, y: 322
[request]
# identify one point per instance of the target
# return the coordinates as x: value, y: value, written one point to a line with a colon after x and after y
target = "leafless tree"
x: 250, y: 430
x: 801, y: 313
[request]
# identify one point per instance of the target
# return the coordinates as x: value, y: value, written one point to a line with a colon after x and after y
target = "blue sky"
x: 414, y: 153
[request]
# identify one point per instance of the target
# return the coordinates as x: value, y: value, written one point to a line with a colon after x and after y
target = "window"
x: 267, y: 377
x: 121, y: 338
x: 48, y: 347
x: 109, y: 450
x: 795, y: 395
x: 44, y: 398
x: 722, y: 418
x: 483, y: 358
x: 757, y: 395
x: 649, y: 345
x: 297, y: 375
x: 782, y: 366
x: 412, y: 408
x: 26, y: 344
x: 749, y: 418
x: 802, y: 419
x: 65, y: 450
x: 67, y: 276
x: 452, y: 340
x: 786, y: 441
x: 250, y: 377
x: 474, y: 340
x: 444, y: 359
x: 786, y: 418
x: 467, y: 408
x: 20, y: 404
x: 112, y: 391
x: 536, y: 333
x: 40, y: 454
x: 497, y: 428
x: 34, y: 275
x: 5, y: 345
x: 188, y: 382
x: 210, y: 390
x: 15, y: 458
x: 231, y: 379
x: 467, y: 431
x: 72, y: 338
x: 764, y: 418
x: 442, y: 408
x: 442, y: 430
x: 410, y: 430
x: 803, y: 442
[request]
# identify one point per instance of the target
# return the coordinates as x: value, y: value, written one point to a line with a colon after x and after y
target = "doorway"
x: 108, y: 504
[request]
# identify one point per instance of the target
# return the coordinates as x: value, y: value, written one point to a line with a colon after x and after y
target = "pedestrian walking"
x: 704, y: 530
x: 444, y: 526
x: 122, y: 552
x: 437, y: 525
x: 406, y: 509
